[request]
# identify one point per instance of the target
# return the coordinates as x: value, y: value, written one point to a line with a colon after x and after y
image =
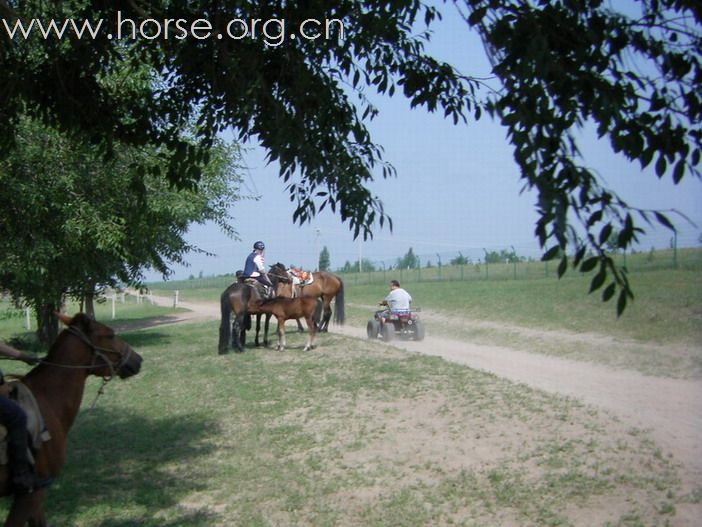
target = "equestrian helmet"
x: 259, y: 245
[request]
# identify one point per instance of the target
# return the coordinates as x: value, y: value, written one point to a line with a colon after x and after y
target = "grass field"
x: 667, y: 307
x: 355, y: 433
x: 659, y: 333
x: 359, y: 433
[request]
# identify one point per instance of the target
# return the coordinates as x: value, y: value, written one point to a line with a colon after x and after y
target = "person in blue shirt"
x: 255, y: 267
x: 15, y: 420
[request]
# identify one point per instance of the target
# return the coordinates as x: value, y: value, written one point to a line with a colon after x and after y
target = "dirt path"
x: 670, y: 409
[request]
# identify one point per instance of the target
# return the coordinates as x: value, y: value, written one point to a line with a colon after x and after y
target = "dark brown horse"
x: 287, y: 308
x: 85, y: 348
x: 241, y: 299
x: 326, y: 286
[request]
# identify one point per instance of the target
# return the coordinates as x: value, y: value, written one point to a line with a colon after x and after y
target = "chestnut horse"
x: 326, y: 286
x: 286, y: 308
x: 85, y: 348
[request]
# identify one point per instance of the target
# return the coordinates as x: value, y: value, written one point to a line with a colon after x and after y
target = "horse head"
x: 279, y: 273
x: 109, y: 355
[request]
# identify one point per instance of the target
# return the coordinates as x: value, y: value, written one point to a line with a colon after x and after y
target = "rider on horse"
x: 255, y: 268
x: 15, y: 420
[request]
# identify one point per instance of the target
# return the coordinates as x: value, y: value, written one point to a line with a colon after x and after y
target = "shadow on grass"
x: 134, y: 468
x: 139, y: 339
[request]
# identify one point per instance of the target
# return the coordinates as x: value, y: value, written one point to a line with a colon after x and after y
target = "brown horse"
x: 326, y: 286
x: 242, y: 299
x: 286, y: 308
x: 85, y: 348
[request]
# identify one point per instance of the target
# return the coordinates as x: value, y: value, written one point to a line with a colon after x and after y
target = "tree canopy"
x: 71, y: 223
x: 633, y: 75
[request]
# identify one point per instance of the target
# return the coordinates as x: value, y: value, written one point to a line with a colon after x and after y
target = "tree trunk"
x: 88, y: 300
x: 47, y: 323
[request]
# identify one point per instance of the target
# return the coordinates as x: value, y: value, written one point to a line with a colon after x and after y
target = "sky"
x: 457, y: 190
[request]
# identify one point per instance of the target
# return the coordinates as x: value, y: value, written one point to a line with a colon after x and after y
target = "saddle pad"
x: 35, y: 421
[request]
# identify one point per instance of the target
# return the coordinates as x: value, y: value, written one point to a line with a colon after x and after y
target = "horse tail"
x: 339, y: 314
x: 224, y: 326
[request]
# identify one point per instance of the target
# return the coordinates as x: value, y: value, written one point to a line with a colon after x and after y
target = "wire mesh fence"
x: 517, y: 269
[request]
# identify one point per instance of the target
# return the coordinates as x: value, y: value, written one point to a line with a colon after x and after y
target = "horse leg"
x: 300, y: 327
x: 281, y: 333
x: 258, y: 330
x: 265, y: 329
x: 324, y: 326
x: 27, y: 509
x: 239, y: 332
x: 312, y: 332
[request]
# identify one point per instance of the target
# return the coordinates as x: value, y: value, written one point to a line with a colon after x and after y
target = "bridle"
x: 283, y: 278
x: 101, y: 353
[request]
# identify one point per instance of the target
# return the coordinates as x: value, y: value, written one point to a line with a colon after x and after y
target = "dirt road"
x: 670, y: 409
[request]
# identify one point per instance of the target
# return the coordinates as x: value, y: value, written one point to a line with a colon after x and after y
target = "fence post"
x: 175, y: 299
x: 114, y: 297
x: 27, y: 319
x: 675, y: 249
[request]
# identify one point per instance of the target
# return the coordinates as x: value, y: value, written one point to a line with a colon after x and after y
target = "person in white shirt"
x: 398, y: 300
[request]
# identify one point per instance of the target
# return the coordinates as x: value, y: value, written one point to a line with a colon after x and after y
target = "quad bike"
x: 406, y: 326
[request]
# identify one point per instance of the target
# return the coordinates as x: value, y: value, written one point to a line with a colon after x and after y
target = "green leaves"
x: 561, y: 66
x: 80, y: 221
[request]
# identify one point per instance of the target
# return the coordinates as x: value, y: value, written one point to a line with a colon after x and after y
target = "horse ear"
x: 64, y: 318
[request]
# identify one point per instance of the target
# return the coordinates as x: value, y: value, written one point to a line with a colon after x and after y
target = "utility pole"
x: 360, y: 256
x: 316, y: 248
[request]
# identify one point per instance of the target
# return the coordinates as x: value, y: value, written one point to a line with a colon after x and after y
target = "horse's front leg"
x: 300, y: 327
x: 257, y: 343
x: 27, y: 510
x: 311, y: 333
x: 265, y: 329
x: 281, y: 333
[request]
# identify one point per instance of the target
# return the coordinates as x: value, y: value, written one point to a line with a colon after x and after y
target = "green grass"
x: 667, y: 306
x: 13, y: 321
x: 658, y: 334
x: 353, y: 433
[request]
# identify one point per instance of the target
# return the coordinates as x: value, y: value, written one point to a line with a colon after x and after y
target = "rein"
x: 283, y: 278
x: 98, y: 351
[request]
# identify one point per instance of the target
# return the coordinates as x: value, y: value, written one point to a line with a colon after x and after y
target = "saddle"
x: 258, y: 287
x: 300, y: 277
x: 36, y: 427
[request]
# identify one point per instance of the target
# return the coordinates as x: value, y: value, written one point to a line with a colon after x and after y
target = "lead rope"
x: 100, y: 391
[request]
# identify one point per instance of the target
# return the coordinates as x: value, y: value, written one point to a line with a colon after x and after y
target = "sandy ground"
x: 669, y: 409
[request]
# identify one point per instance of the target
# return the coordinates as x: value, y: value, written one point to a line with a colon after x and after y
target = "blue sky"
x: 457, y: 189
